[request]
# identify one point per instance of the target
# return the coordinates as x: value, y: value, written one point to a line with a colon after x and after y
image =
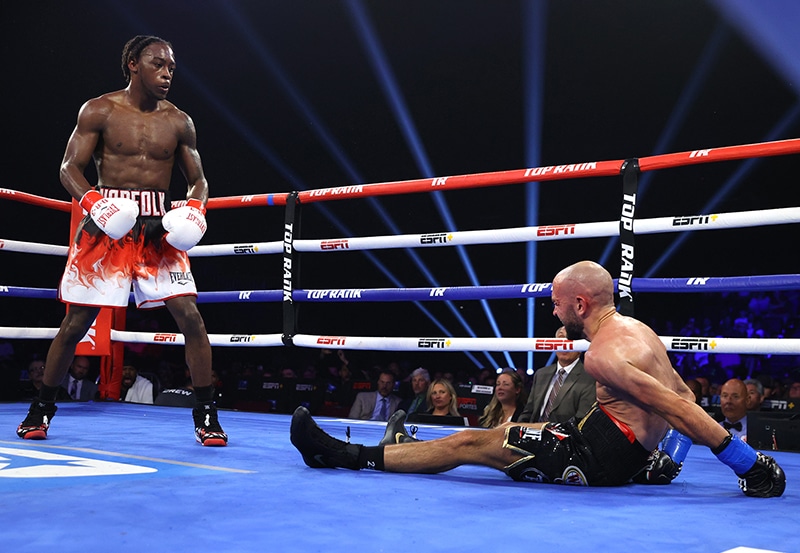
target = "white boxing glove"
x: 114, y: 216
x: 185, y: 225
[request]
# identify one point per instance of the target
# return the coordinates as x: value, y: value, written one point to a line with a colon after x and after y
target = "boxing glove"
x: 759, y: 475
x: 764, y: 479
x: 185, y: 225
x: 114, y: 216
x: 660, y: 469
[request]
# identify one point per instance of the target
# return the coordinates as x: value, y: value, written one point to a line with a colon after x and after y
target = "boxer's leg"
x: 198, y: 358
x: 475, y: 447
x: 76, y: 323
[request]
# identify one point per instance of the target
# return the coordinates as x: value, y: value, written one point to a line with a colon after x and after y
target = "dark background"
x: 285, y: 96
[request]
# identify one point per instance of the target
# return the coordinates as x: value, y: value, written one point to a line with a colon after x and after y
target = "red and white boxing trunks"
x: 100, y: 270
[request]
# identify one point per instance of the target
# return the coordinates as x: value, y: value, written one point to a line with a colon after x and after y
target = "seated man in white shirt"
x: 734, y: 402
x: 135, y: 387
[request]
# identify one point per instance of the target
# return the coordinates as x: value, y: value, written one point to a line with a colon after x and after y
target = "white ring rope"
x: 775, y: 346
x: 246, y: 248
x: 716, y: 221
x: 557, y: 232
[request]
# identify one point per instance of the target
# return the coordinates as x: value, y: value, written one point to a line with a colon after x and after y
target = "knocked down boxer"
x: 640, y: 398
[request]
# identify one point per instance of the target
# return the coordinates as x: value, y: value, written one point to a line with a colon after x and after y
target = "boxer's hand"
x: 185, y: 225
x: 765, y: 479
x: 660, y: 469
x: 114, y: 216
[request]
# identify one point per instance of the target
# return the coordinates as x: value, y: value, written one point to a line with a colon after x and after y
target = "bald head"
x: 589, y: 279
x: 733, y: 399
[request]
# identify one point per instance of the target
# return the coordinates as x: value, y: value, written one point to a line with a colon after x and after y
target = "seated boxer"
x: 639, y: 397
x: 128, y: 235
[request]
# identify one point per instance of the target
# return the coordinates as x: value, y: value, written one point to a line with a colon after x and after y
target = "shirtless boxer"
x: 639, y: 397
x: 128, y: 235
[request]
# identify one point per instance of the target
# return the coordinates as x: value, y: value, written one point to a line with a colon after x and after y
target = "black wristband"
x: 721, y: 447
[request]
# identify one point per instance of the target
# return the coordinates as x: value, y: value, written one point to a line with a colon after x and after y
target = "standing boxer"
x: 639, y: 397
x: 135, y: 137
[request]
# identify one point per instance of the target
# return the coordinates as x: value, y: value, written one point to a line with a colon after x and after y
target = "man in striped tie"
x: 573, y: 397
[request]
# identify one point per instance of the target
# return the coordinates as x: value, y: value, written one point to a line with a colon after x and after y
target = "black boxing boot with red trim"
x: 207, y: 429
x: 36, y: 424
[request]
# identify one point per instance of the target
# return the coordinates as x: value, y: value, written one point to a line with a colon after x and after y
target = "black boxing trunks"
x: 101, y: 270
x: 595, y: 451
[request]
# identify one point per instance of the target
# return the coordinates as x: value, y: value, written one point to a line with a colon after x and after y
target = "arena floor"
x: 121, y: 477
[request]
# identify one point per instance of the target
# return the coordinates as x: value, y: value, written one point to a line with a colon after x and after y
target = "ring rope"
x: 452, y: 293
x: 517, y: 176
x: 591, y: 169
x: 555, y: 172
x: 774, y: 346
x: 715, y: 221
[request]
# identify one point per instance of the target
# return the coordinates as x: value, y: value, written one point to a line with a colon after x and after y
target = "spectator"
x: 420, y: 381
x: 442, y: 398
x: 734, y: 402
x: 29, y: 388
x: 135, y: 387
x: 378, y: 405
x: 705, y: 386
x: 574, y: 396
x: 768, y: 385
x: 755, y: 392
x: 507, y: 402
x: 77, y: 384
x: 793, y: 389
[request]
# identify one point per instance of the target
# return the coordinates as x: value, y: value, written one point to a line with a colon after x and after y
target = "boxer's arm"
x: 611, y: 366
x: 80, y: 147
x: 190, y: 164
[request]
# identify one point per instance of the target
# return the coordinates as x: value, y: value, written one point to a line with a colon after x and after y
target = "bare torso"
x: 624, y: 356
x: 135, y: 149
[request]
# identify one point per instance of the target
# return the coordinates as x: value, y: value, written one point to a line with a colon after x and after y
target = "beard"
x: 574, y: 330
x: 574, y: 326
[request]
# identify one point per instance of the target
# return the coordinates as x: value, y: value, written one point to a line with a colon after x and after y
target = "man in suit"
x: 378, y: 405
x: 77, y: 383
x: 573, y: 397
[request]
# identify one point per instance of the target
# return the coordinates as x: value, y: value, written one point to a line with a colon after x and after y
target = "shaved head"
x: 580, y: 291
x: 589, y: 279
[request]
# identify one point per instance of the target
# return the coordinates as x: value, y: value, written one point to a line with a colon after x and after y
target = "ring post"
x: 630, y: 187
x: 290, y: 267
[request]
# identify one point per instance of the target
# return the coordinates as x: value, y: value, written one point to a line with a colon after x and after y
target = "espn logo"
x: 165, y: 338
x: 555, y: 230
x: 342, y: 244
x: 432, y: 343
x: 439, y: 238
x: 331, y: 340
x: 689, y: 344
x: 553, y: 344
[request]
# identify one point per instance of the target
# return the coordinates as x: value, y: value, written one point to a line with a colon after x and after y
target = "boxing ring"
x: 262, y: 492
